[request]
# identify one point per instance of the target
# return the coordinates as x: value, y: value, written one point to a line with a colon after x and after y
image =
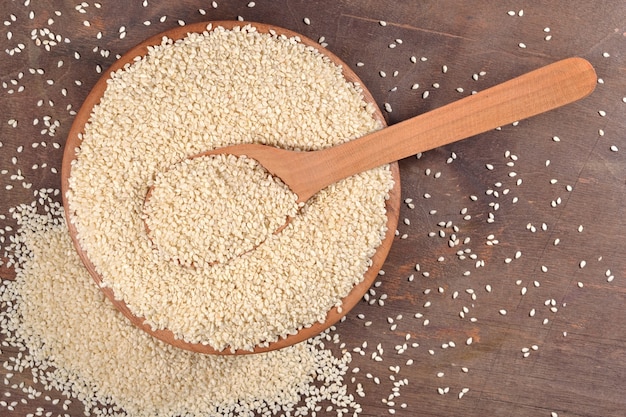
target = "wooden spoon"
x: 536, y: 92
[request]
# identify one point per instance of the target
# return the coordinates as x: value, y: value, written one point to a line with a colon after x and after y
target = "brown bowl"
x: 74, y: 141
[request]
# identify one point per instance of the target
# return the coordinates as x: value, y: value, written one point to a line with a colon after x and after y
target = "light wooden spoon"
x: 538, y: 91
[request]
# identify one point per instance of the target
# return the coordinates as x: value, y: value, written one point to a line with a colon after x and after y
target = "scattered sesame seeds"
x: 474, y: 209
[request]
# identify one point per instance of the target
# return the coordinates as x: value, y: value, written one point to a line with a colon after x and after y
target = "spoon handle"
x: 538, y: 91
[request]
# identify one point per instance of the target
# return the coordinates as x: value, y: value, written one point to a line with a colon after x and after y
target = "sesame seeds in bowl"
x: 202, y: 87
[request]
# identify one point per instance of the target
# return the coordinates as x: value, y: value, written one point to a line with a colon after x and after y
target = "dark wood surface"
x: 579, y: 366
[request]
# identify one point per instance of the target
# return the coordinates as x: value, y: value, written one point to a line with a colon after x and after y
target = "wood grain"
x: 579, y: 368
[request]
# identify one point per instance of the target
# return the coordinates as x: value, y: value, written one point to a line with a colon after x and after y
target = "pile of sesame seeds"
x: 79, y: 345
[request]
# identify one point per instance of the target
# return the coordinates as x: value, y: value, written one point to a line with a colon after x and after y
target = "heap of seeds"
x: 80, y: 345
x: 187, y: 212
x: 209, y: 90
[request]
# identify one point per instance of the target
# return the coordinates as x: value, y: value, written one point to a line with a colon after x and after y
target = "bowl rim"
x: 74, y: 139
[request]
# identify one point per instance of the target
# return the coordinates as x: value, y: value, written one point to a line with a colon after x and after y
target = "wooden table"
x: 526, y: 310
